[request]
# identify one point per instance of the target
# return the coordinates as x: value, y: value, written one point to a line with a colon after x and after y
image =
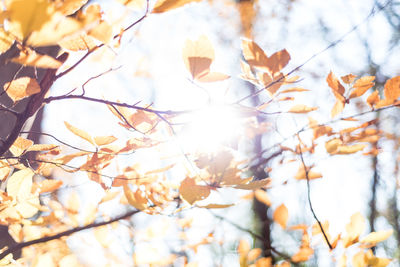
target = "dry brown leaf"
x: 349, y: 78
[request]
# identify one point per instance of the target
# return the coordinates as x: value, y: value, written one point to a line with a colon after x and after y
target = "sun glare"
x: 210, y: 128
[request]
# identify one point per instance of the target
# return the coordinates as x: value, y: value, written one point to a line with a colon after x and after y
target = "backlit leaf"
x: 253, y: 54
x: 166, y: 5
x: 81, y: 133
x: 20, y: 183
x: 77, y: 42
x: 337, y: 108
x: 104, y: 140
x: 303, y: 254
x: 254, y: 184
x: 373, y: 98
x: 27, y: 16
x: 350, y: 149
x: 48, y: 185
x: 354, y: 229
x: 28, y: 57
x: 102, y: 32
x: 362, y: 85
x: 376, y: 237
x: 262, y: 196
x: 69, y: 7
x: 277, y: 61
x: 216, y: 206
x: 349, y: 78
x: 301, y: 109
x: 191, y: 192
x: 281, y: 215
x: 6, y: 40
x: 20, y: 146
x: 22, y: 87
x: 336, y: 86
x: 136, y: 199
x: 392, y: 88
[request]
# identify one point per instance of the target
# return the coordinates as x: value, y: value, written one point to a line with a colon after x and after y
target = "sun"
x: 211, y: 128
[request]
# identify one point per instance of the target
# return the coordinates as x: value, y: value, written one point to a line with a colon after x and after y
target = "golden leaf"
x: 254, y: 254
x: 22, y: 87
x: 254, y: 184
x: 294, y: 89
x: 243, y: 247
x: 216, y: 206
x: 253, y: 54
x: 136, y: 199
x: 27, y: 16
x: 336, y: 86
x: 20, y: 146
x: 69, y: 7
x: 301, y: 174
x: 333, y: 145
x: 392, y: 89
x: 167, y: 5
x: 102, y: 32
x: 49, y: 185
x: 134, y: 4
x: 303, y: 254
x: 373, y: 98
x: 6, y: 40
x: 104, y: 140
x: 362, y: 85
x: 191, y: 192
x: 376, y: 237
x: 78, y: 132
x: 301, y: 109
x: 354, y: 229
x: 350, y: 149
x: 42, y: 147
x: 262, y: 196
x: 77, y: 42
x: 277, y: 61
x: 28, y: 57
x: 281, y: 215
x: 337, y: 108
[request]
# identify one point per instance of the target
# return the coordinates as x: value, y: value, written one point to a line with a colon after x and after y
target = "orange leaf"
x: 262, y: 196
x: 254, y: 184
x: 336, y: 86
x: 278, y: 61
x: 373, y: 98
x: 253, y: 54
x: 49, y: 185
x: 191, y: 192
x: 392, y: 89
x: 22, y: 87
x: 216, y: 206
x: 349, y: 78
x: 104, y: 140
x: 281, y: 215
x: 136, y: 199
x: 77, y: 43
x: 362, y: 85
x: 82, y: 134
x: 303, y: 254
x: 337, y: 108
x: 166, y: 5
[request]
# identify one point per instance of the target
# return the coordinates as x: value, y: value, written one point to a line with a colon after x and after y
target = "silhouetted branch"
x: 21, y: 245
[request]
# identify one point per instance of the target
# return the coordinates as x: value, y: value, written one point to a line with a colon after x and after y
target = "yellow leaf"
x: 166, y: 5
x: 216, y: 206
x: 22, y: 87
x: 301, y: 109
x: 104, y: 140
x: 376, y: 237
x: 264, y: 262
x: 350, y: 149
x: 262, y: 196
x: 136, y: 199
x: 69, y: 7
x: 191, y: 192
x: 20, y: 146
x: 243, y: 247
x: 102, y: 236
x: 337, y: 108
x: 294, y: 89
x: 392, y: 89
x: 373, y: 98
x: 27, y: 16
x: 6, y: 40
x: 42, y: 147
x: 134, y: 4
x: 254, y: 184
x: 102, y: 32
x: 333, y: 145
x: 109, y: 196
x: 82, y: 134
x: 19, y: 184
x: 359, y: 260
x: 254, y: 254
x: 354, y: 229
x: 281, y: 215
x: 28, y: 57
x: 77, y: 42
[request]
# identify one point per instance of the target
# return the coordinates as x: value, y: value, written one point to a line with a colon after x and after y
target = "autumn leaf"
x: 303, y: 254
x: 301, y: 109
x: 254, y: 184
x: 78, y: 132
x: 22, y: 87
x: 349, y: 78
x: 354, y: 229
x: 104, y: 140
x: 392, y: 89
x: 191, y: 192
x: 27, y: 16
x: 28, y: 57
x: 77, y: 42
x: 281, y: 215
x: 262, y: 196
x: 338, y: 91
x: 350, y: 149
x: 216, y: 206
x: 20, y: 146
x: 198, y: 56
x: 376, y: 237
x: 277, y: 61
x: 301, y: 174
x: 6, y: 40
x: 47, y: 186
x: 167, y: 5
x: 362, y: 85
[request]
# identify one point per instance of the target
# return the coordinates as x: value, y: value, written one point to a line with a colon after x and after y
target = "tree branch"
x: 21, y: 245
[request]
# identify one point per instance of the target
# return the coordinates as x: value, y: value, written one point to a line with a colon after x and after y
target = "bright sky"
x: 153, y: 51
